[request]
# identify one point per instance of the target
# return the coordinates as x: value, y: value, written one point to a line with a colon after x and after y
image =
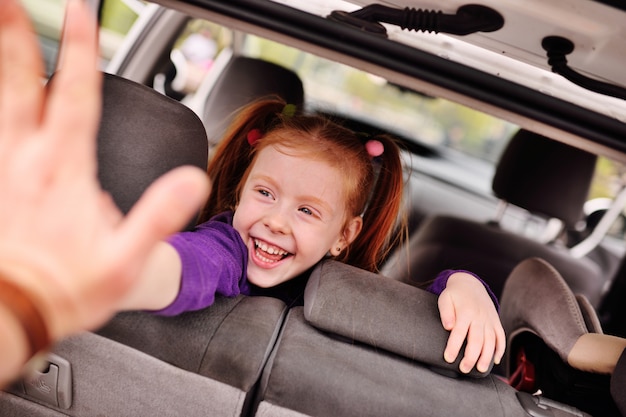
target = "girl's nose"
x: 276, y: 221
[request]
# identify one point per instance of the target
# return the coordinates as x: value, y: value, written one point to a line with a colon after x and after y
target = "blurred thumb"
x: 164, y: 208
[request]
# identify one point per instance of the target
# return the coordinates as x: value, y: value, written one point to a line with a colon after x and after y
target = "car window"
x: 191, y: 58
x: 330, y: 87
x: 196, y: 49
x: 339, y: 88
x: 117, y: 18
x: 346, y: 90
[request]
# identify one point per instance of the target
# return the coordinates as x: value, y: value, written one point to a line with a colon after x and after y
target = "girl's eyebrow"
x: 318, y: 203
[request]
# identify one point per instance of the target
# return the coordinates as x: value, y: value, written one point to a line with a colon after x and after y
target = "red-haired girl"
x: 288, y: 191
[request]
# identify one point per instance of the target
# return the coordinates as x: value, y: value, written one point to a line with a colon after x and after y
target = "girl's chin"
x: 262, y: 279
x: 263, y: 283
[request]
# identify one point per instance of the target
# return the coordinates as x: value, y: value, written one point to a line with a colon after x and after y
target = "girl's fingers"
x: 448, y: 320
x: 500, y: 343
x: 446, y: 311
x: 21, y: 74
x: 455, y: 341
x: 487, y: 353
x: 473, y: 348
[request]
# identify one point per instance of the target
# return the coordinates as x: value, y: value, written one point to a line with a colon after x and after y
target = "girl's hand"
x: 62, y: 240
x: 468, y: 312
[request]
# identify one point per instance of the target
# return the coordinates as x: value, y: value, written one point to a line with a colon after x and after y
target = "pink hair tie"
x: 253, y: 136
x: 374, y: 148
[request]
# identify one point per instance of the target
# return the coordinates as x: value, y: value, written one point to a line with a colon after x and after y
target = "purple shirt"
x: 214, y: 261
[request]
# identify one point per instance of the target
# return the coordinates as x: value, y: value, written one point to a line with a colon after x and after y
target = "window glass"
x: 339, y: 88
x: 194, y: 53
x: 417, y: 117
x: 330, y: 87
x: 47, y: 16
x: 117, y: 17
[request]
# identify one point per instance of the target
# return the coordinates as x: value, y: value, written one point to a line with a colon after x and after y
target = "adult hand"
x: 61, y: 238
x: 467, y: 310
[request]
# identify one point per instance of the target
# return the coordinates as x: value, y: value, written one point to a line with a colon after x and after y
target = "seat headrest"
x: 544, y: 176
x: 242, y: 81
x: 380, y: 312
x: 142, y: 135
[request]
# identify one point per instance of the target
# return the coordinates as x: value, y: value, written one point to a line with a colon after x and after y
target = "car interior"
x: 543, y: 185
x: 363, y: 344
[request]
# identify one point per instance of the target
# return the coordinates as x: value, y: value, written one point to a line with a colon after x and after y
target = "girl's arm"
x: 186, y: 272
x: 468, y: 309
x: 159, y: 280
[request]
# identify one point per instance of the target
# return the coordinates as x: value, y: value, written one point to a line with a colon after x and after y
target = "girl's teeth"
x: 271, y: 250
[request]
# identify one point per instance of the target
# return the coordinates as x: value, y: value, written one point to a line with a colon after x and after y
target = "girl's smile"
x: 267, y: 253
x: 291, y: 212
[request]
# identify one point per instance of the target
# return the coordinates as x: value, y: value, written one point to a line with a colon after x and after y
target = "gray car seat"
x: 200, y: 363
x: 243, y: 80
x: 547, y: 178
x: 364, y: 345
x: 556, y: 344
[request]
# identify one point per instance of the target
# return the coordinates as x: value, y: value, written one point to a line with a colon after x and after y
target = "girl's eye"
x: 264, y: 193
x: 307, y: 211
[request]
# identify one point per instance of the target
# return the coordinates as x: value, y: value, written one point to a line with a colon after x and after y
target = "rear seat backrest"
x: 228, y: 343
x: 206, y: 362
x: 546, y: 177
x: 363, y: 307
x: 364, y: 345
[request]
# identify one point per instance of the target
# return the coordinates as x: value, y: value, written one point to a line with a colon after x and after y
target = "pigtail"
x: 234, y: 154
x: 380, y: 218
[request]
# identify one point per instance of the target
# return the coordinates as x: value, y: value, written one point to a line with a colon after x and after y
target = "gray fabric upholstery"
x: 229, y: 341
x: 385, y: 314
x: 544, y: 176
x: 444, y: 242
x: 546, y: 322
x: 592, y: 322
x: 144, y: 134
x: 269, y: 410
x: 200, y: 363
x: 314, y: 373
x: 242, y: 81
x: 110, y: 379
x: 537, y: 298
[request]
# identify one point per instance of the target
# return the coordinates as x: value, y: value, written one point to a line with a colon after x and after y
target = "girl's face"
x: 291, y: 212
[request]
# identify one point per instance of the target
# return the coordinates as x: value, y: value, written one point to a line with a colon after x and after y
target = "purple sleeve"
x: 439, y: 284
x: 214, y: 261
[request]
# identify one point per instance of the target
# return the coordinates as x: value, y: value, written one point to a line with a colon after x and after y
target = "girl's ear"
x: 350, y: 232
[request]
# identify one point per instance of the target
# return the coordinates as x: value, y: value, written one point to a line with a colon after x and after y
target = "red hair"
x: 373, y: 189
